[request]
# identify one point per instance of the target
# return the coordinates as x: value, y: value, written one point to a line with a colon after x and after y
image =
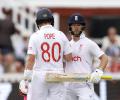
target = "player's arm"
x: 67, y: 50
x: 103, y: 61
x: 98, y: 72
x: 68, y: 57
x: 30, y: 59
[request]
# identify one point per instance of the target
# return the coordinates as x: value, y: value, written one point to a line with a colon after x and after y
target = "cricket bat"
x: 55, y: 77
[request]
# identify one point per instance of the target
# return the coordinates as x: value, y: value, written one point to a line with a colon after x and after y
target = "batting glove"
x: 96, y: 76
x: 23, y: 86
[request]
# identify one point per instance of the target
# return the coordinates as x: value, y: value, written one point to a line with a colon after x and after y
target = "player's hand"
x: 23, y: 86
x: 96, y: 76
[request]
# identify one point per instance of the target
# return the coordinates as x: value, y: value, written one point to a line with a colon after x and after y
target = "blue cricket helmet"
x: 43, y: 15
x: 76, y: 18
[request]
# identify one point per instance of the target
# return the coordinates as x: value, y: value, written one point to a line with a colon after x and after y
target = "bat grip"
x: 25, y: 97
x: 106, y: 77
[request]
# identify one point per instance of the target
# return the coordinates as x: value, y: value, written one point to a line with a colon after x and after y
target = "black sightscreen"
x: 100, y: 24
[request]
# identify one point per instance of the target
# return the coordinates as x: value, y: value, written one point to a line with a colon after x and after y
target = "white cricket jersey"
x: 83, y: 52
x: 48, y: 45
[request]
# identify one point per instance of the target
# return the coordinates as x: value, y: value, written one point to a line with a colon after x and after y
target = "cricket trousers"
x: 79, y: 91
x: 41, y: 90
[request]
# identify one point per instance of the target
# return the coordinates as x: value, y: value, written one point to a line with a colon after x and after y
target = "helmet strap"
x: 78, y: 34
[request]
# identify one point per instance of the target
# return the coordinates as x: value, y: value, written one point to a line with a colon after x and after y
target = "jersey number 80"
x: 46, y: 51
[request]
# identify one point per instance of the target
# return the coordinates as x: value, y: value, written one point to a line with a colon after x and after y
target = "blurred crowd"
x: 13, y: 46
x: 111, y: 46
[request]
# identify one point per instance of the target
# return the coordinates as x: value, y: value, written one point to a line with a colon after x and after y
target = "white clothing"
x: 49, y: 45
x: 41, y: 90
x: 83, y: 53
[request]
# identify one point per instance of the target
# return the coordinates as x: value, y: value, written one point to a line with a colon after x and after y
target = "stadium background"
x: 99, y: 14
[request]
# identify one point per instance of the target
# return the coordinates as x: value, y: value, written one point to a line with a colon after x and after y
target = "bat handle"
x: 25, y: 97
x: 106, y: 77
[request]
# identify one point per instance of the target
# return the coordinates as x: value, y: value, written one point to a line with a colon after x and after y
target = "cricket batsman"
x: 83, y: 52
x: 46, y: 50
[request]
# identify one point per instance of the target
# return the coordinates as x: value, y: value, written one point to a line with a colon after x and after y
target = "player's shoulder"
x: 71, y: 41
x: 62, y: 35
x: 60, y: 32
x: 34, y: 35
x: 90, y: 41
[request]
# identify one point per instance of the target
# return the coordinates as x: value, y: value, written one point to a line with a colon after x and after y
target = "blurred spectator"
x: 18, y: 45
x: 1, y: 63
x: 19, y: 65
x: 6, y: 30
x: 9, y: 60
x: 111, y: 45
x: 2, y: 16
x: 25, y: 39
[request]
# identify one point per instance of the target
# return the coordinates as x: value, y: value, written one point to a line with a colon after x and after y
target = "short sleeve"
x: 31, y: 46
x: 95, y: 50
x: 67, y: 47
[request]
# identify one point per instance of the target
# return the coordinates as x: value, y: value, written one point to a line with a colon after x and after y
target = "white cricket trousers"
x: 78, y: 91
x: 41, y: 90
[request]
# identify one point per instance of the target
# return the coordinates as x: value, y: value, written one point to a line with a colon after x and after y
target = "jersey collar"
x: 81, y: 37
x: 45, y: 26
